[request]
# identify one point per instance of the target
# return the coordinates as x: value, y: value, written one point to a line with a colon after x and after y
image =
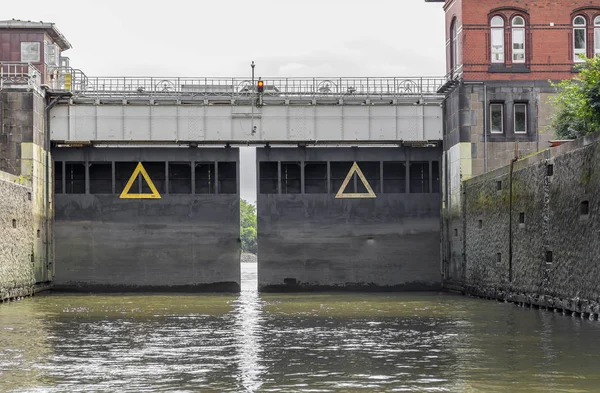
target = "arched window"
x: 597, y: 36
x: 497, y: 39
x: 453, y: 45
x: 518, y: 39
x: 579, y: 38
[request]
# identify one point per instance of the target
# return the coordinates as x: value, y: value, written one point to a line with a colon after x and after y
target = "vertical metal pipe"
x: 485, y: 128
x: 193, y: 177
x: 279, y: 177
x: 113, y: 177
x: 86, y: 178
x: 166, y: 190
x: 407, y: 174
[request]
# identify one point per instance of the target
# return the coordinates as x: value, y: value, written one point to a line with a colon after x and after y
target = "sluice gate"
x: 147, y: 219
x: 349, y: 218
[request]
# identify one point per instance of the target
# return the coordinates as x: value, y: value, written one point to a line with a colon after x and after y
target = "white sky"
x: 220, y: 38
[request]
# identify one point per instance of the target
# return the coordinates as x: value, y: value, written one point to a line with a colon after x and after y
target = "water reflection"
x: 292, y: 343
x: 248, y: 316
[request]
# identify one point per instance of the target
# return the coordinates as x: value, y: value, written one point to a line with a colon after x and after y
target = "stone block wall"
x: 532, y: 231
x: 16, y: 239
x: 24, y: 154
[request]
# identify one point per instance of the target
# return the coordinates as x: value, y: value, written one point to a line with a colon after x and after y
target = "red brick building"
x: 519, y: 39
x: 501, y: 56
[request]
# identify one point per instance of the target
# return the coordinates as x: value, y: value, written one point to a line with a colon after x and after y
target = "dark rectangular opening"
x: 180, y: 177
x: 394, y: 177
x: 549, y: 256
x: 269, y: 177
x: 499, y: 185
x: 498, y: 258
x: 290, y: 178
x: 123, y: 172
x: 550, y: 170
x: 522, y: 218
x: 419, y: 177
x: 315, y: 177
x: 339, y: 171
x: 585, y: 208
x: 156, y: 173
x: 227, y: 177
x: 436, y: 184
x: 371, y: 172
x: 58, y: 177
x: 455, y: 232
x: 75, y: 177
x: 480, y: 224
x: 205, y: 177
x: 100, y: 177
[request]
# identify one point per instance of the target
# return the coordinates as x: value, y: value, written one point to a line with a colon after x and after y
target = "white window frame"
x: 518, y: 28
x: 497, y: 26
x: 515, y: 117
x: 597, y: 36
x: 577, y: 27
x: 51, y: 54
x: 454, y: 45
x: 492, y: 105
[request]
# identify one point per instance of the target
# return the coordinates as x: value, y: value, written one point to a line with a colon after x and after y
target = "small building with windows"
x: 39, y: 44
x: 501, y: 60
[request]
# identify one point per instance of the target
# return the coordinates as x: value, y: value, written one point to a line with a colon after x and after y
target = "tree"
x: 578, y: 102
x: 248, y: 226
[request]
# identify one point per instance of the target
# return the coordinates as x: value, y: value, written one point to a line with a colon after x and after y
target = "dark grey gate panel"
x: 186, y: 240
x: 309, y: 239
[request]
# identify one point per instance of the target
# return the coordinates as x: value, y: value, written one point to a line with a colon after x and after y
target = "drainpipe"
x: 485, y: 152
x: 510, y: 219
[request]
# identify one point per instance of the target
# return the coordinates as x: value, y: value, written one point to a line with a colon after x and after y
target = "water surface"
x: 423, y: 342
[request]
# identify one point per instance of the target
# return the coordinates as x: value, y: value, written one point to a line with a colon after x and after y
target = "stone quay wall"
x: 17, y: 277
x: 531, y: 230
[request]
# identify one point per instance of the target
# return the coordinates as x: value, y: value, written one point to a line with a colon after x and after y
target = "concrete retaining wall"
x: 23, y: 153
x: 16, y: 239
x: 539, y: 243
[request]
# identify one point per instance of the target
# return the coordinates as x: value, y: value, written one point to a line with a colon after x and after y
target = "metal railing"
x: 150, y: 87
x: 18, y: 74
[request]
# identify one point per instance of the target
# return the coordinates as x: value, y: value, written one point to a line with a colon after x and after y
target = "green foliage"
x: 248, y: 226
x: 578, y: 102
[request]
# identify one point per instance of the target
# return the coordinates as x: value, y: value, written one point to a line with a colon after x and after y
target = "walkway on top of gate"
x: 311, y: 111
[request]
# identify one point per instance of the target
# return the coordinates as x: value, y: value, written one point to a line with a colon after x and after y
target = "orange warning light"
x: 260, y: 86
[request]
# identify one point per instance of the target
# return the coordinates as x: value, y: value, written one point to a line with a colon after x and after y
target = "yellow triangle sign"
x: 140, y: 169
x: 355, y: 169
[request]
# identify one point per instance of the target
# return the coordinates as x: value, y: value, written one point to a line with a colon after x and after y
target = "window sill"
x: 502, y: 68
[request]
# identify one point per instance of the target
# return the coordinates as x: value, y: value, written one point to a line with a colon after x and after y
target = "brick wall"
x: 549, y: 37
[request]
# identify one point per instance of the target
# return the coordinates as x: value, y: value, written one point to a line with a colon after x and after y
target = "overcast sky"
x: 221, y: 37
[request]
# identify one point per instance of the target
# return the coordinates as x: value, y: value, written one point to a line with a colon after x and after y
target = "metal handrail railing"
x: 240, y: 87
x: 13, y: 73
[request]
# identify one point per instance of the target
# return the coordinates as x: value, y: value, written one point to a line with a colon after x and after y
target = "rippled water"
x: 292, y: 343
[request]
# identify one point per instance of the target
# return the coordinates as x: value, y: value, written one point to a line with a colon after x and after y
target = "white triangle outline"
x: 355, y: 169
x: 140, y: 169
